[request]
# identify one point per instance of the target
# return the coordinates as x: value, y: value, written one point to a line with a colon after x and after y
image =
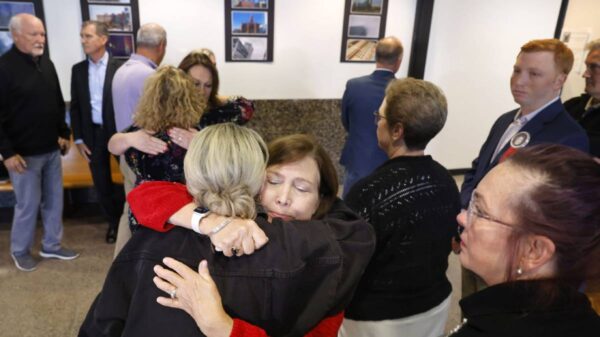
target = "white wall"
x: 472, y: 49
x: 307, y: 44
x: 582, y: 16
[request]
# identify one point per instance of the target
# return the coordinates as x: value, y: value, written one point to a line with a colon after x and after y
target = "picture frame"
x: 249, y: 30
x: 249, y: 22
x: 120, y: 45
x: 120, y: 2
x: 250, y: 4
x: 118, y: 18
x: 11, y: 7
x: 123, y: 19
x: 364, y: 24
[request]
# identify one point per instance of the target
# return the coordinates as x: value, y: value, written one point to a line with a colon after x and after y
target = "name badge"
x: 520, y: 139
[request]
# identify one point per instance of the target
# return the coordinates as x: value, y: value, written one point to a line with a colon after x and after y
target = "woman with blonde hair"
x: 224, y: 170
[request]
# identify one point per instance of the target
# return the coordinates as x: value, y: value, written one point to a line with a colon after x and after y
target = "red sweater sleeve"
x: 153, y: 202
x: 328, y: 327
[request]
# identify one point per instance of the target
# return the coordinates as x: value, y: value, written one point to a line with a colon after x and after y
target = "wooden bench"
x: 76, y: 172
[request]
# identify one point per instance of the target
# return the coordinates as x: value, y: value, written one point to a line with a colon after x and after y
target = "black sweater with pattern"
x: 412, y: 203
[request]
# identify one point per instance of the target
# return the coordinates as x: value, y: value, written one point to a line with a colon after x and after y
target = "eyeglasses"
x: 377, y: 116
x: 472, y: 212
x: 592, y: 67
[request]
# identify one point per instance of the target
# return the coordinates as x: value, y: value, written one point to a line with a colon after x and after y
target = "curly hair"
x: 169, y: 100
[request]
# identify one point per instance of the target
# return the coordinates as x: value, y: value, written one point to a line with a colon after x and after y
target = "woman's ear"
x: 537, y: 256
x: 397, y: 132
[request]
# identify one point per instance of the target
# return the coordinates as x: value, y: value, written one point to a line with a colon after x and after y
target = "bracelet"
x: 220, y: 226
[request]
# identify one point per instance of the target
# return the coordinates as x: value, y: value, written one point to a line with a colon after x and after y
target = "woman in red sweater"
x: 301, y: 184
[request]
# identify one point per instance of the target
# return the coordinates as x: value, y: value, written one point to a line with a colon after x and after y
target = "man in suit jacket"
x: 93, y: 118
x: 539, y: 73
x: 586, y: 108
x: 363, y: 96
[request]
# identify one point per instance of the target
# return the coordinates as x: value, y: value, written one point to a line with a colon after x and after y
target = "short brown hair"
x: 197, y: 58
x: 419, y: 106
x: 169, y: 100
x: 288, y: 149
x: 563, y: 56
x: 101, y: 27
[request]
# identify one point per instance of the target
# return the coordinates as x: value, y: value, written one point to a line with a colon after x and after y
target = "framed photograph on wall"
x: 8, y: 9
x: 122, y: 18
x: 250, y: 4
x: 364, y: 25
x: 249, y: 30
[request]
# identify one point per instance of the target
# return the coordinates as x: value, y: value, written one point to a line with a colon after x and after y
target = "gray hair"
x: 151, y: 35
x: 593, y: 45
x: 101, y: 27
x: 14, y: 25
x: 419, y: 106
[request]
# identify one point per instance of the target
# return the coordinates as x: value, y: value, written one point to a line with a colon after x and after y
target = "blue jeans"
x: 39, y: 187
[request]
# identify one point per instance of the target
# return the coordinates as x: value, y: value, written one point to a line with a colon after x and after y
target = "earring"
x: 519, y: 271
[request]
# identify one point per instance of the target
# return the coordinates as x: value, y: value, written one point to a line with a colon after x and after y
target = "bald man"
x: 33, y: 134
x: 363, y: 96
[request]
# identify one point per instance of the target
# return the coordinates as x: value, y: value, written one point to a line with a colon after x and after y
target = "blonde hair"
x: 169, y: 100
x: 224, y: 169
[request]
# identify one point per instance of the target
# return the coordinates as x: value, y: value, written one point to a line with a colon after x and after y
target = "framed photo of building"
x: 10, y: 8
x: 122, y: 18
x: 364, y: 24
x: 249, y: 30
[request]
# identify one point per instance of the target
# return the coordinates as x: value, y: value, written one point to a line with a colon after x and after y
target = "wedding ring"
x: 173, y: 293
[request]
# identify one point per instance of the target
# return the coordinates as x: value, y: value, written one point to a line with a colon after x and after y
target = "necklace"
x: 458, y: 327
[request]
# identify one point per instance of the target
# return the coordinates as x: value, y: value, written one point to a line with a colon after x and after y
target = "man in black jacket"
x: 93, y: 118
x: 33, y: 134
x: 586, y: 108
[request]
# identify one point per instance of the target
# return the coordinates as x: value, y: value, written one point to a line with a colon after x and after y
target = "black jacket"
x: 32, y: 109
x: 589, y: 120
x: 307, y: 271
x: 81, y: 109
x: 513, y: 309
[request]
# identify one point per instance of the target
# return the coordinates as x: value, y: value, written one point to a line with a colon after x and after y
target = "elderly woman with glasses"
x: 411, y: 201
x: 532, y: 233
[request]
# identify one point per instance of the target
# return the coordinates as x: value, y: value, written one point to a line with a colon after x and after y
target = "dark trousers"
x: 111, y: 196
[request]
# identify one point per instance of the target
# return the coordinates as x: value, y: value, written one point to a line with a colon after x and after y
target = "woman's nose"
x: 283, y: 197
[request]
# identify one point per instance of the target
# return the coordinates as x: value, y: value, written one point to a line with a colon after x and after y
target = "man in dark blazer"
x: 586, y: 108
x: 362, y: 97
x: 93, y: 118
x: 538, y: 75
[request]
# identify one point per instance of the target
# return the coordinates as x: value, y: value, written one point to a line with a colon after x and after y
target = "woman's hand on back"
x: 196, y: 294
x: 239, y: 237
x: 182, y: 137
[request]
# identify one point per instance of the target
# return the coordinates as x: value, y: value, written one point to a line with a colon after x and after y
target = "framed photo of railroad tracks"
x: 364, y: 24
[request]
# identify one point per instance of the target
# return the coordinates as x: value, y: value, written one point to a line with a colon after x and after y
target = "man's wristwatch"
x: 197, y: 216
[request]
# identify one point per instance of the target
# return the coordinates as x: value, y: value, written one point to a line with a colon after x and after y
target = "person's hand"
x: 15, y: 163
x: 196, y: 294
x: 64, y: 145
x: 239, y: 237
x: 182, y: 137
x: 144, y: 142
x: 84, y: 151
